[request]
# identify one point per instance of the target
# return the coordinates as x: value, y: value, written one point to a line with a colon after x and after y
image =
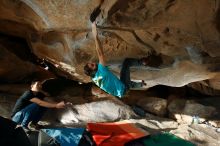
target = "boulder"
x: 175, y: 108
x: 198, y: 110
x: 154, y: 124
x: 200, y: 134
x: 97, y: 111
x: 96, y: 91
x: 189, y: 111
x: 155, y: 105
x: 208, y: 87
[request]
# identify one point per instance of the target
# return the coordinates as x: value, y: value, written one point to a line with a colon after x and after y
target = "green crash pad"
x: 166, y: 139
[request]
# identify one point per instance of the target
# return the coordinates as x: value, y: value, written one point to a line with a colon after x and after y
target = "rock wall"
x: 16, y: 62
x: 60, y: 32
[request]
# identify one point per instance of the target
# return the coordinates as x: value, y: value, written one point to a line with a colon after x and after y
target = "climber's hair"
x: 88, y: 71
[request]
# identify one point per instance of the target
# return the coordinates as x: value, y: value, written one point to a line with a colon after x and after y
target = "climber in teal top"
x: 105, y: 79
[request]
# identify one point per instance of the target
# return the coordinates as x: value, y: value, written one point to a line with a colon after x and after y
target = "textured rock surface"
x: 100, y: 111
x: 210, y: 87
x: 198, y: 109
x: 59, y: 31
x: 176, y: 107
x: 184, y: 111
x: 154, y: 105
x: 15, y: 61
x: 200, y: 134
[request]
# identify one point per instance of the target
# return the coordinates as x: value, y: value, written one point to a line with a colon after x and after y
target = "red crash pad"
x: 114, y: 134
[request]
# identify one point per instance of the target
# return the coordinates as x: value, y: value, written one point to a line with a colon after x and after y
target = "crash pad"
x: 165, y: 139
x: 109, y: 134
x: 66, y: 136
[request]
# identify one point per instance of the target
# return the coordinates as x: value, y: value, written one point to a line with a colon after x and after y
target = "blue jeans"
x: 125, y: 73
x: 32, y: 112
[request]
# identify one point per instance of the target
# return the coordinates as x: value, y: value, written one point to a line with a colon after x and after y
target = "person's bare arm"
x: 48, y: 104
x: 99, y: 48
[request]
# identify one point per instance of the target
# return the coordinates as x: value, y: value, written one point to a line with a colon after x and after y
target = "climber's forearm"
x: 99, y: 51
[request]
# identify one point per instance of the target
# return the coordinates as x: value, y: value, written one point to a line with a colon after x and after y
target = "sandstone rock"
x: 134, y: 95
x: 214, y: 83
x: 185, y: 111
x: 201, y: 135
x: 208, y: 87
x: 154, y: 105
x: 16, y: 65
x: 199, y: 110
x: 176, y: 107
x: 96, y: 91
x: 215, y: 123
x: 155, y: 124
x: 99, y: 111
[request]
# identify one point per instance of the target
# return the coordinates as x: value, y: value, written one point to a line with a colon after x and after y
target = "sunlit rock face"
x: 60, y: 32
